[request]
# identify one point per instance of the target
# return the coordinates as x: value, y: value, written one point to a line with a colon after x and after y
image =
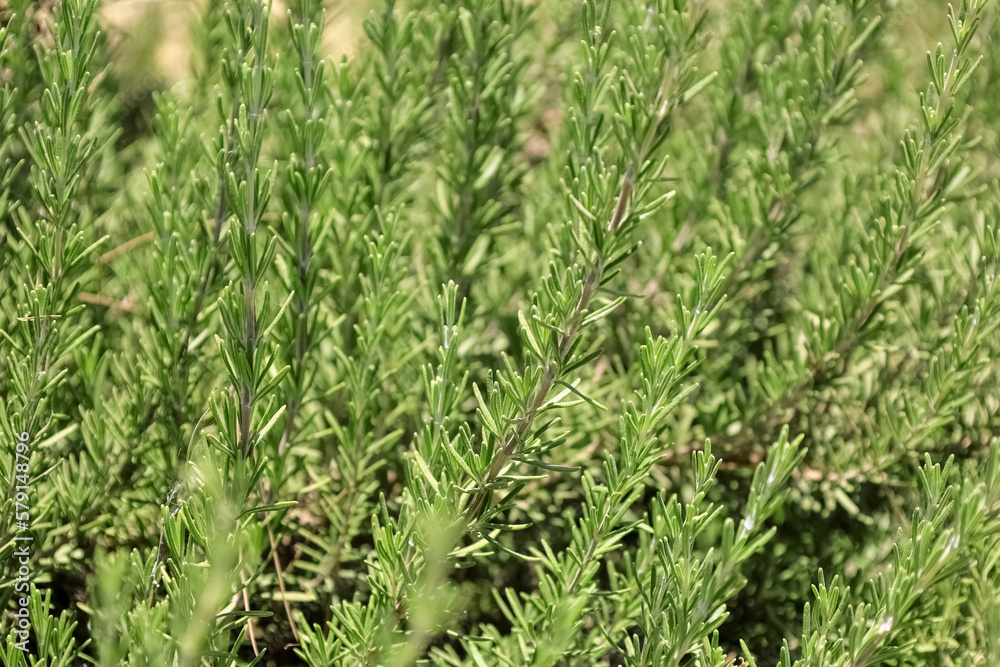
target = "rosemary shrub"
x: 646, y: 333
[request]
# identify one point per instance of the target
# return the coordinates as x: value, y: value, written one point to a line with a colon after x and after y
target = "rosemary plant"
x: 496, y: 332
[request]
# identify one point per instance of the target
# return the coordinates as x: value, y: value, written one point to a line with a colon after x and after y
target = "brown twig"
x: 281, y: 584
x: 246, y: 607
x: 125, y: 304
x: 131, y: 244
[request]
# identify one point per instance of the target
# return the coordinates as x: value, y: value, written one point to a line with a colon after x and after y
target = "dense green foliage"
x: 638, y: 332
